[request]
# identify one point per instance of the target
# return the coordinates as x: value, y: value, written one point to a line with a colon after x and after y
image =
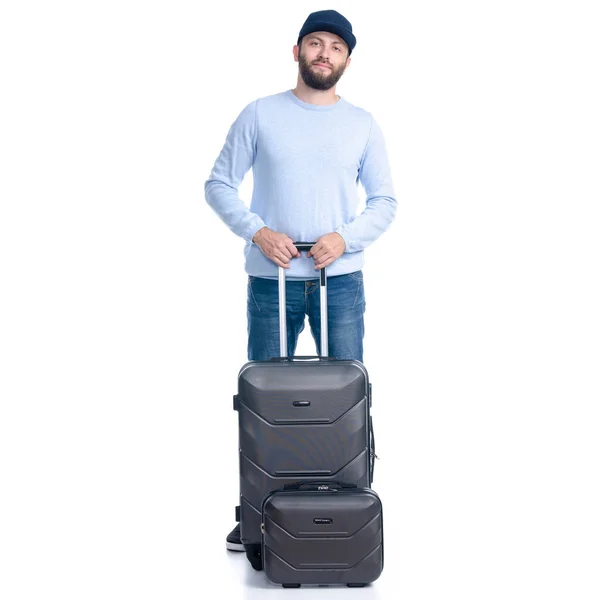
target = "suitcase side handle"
x: 372, y: 449
x: 302, y: 247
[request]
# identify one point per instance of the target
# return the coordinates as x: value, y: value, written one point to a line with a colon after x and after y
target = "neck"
x: 312, y: 96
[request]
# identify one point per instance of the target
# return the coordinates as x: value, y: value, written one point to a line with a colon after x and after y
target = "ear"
x: 348, y: 61
x: 296, y: 50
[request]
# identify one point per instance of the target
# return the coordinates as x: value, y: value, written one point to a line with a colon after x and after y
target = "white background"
x: 123, y: 295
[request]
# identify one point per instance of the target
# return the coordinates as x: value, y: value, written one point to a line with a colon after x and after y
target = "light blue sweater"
x: 306, y: 163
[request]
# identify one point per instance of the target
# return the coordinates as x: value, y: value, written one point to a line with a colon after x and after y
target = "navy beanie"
x: 331, y: 21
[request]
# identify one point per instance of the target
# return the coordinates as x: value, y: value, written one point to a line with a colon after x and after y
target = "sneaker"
x: 233, y: 540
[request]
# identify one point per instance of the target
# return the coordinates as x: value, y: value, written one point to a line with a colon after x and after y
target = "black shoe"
x: 233, y: 540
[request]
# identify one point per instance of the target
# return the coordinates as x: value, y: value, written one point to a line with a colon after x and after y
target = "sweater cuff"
x: 256, y: 224
x: 344, y: 235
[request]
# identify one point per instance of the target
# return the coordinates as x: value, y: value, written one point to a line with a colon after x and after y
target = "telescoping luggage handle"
x: 302, y: 247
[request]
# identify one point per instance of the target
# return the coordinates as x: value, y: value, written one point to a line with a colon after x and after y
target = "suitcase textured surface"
x: 322, y: 537
x: 299, y: 421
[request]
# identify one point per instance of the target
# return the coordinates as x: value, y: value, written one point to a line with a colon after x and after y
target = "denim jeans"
x: 345, y: 315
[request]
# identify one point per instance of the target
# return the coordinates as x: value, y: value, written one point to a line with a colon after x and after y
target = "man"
x: 308, y: 148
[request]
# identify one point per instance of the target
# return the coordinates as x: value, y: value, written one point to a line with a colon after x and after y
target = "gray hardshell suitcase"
x: 322, y: 534
x: 299, y: 420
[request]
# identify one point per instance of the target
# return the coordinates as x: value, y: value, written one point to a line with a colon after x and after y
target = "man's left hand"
x: 327, y: 249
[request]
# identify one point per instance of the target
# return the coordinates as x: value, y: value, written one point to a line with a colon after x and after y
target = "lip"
x: 323, y: 66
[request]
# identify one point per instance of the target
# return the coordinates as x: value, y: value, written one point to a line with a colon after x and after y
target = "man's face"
x: 322, y: 58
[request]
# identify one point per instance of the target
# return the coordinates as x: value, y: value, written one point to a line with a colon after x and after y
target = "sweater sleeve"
x: 374, y: 174
x: 232, y: 164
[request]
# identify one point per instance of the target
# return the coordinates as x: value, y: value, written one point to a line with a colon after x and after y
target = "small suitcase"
x: 299, y: 420
x: 322, y: 534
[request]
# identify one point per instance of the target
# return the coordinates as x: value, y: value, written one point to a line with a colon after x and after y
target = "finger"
x: 320, y: 253
x: 314, y: 249
x: 280, y: 263
x: 282, y: 257
x: 324, y: 261
x: 285, y: 251
x: 292, y: 249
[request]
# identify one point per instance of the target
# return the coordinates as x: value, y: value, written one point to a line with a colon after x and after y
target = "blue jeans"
x: 345, y: 315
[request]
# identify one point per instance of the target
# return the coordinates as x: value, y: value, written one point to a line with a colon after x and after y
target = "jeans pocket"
x: 251, y: 298
x: 359, y: 297
x: 357, y: 275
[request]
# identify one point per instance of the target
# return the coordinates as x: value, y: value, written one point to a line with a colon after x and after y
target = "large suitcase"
x: 322, y: 534
x: 299, y: 420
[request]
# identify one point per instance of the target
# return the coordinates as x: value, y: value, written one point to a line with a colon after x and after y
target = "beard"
x: 319, y: 79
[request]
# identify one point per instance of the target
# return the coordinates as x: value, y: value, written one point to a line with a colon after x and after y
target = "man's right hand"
x: 276, y: 246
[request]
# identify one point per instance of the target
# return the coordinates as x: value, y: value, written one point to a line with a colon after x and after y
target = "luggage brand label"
x: 322, y: 521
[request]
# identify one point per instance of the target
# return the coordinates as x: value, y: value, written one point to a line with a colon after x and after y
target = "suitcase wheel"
x: 254, y: 556
x: 290, y: 585
x: 356, y: 584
